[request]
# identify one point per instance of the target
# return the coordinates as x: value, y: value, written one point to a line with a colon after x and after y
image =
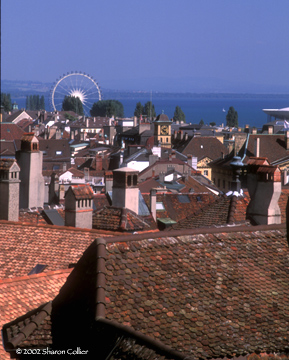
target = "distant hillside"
x: 19, y: 89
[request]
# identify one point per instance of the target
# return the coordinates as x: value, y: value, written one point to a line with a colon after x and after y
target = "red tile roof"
x: 177, y: 210
x: 22, y: 294
x: 10, y: 131
x: 82, y: 191
x: 206, y: 294
x: 223, y: 210
x: 24, y: 245
x: 121, y: 219
x: 205, y: 146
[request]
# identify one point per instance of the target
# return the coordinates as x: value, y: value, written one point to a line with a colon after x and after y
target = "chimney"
x: 153, y: 159
x: 153, y: 203
x: 173, y: 154
x: 162, y: 176
x: 247, y: 128
x: 186, y: 136
x: 270, y: 129
x: 72, y: 135
x: 53, y: 194
x: 98, y: 162
x: 9, y: 190
x: 189, y: 160
x: 287, y: 139
x: 125, y: 191
x: 58, y: 134
x: 257, y: 147
x: 254, y: 131
x: 108, y: 181
x: 86, y: 122
x: 78, y: 206
x: 263, y: 208
x: 180, y: 135
x: 134, y: 121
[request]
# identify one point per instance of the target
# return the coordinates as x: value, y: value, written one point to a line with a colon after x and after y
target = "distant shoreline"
x: 23, y: 88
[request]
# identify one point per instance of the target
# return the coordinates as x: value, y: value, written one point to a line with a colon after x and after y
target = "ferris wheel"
x: 77, y: 84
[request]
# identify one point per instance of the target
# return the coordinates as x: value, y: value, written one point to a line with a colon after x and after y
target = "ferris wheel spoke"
x: 77, y: 84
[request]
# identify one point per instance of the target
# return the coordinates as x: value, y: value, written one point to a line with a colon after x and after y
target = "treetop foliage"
x: 107, y: 108
x: 147, y: 110
x: 6, y: 102
x: 35, y: 102
x: 179, y: 115
x: 232, y: 117
x: 72, y: 103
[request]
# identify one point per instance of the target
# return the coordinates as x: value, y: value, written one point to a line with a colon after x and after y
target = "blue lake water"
x: 210, y: 109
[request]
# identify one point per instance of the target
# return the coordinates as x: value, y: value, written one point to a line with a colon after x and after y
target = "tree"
x: 42, y: 103
x: 232, y: 117
x: 212, y: 123
x: 6, y: 102
x: 107, y: 108
x: 179, y: 115
x: 72, y: 103
x: 33, y: 102
x: 138, y: 110
x: 201, y: 122
x: 149, y: 110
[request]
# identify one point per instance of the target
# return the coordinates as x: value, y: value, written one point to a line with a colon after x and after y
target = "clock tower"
x: 162, y: 131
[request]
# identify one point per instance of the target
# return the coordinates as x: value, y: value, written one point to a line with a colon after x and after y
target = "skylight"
x: 37, y: 269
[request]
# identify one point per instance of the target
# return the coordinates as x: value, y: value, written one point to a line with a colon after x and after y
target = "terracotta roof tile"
x: 82, y: 191
x: 22, y: 294
x: 121, y: 219
x: 23, y: 246
x: 209, y: 295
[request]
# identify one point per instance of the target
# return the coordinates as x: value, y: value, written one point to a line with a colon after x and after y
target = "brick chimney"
x: 263, y: 208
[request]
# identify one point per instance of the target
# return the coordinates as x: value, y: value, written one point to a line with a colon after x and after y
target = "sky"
x: 158, y: 45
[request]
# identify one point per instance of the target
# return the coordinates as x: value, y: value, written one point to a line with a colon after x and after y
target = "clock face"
x: 164, y: 130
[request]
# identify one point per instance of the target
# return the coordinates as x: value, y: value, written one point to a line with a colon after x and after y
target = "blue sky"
x: 184, y: 45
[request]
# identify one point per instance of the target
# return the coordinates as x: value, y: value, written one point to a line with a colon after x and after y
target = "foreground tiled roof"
x: 22, y: 294
x: 207, y: 295
x: 24, y: 246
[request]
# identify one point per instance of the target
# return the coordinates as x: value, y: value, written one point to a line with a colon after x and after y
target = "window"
x: 58, y: 152
x: 206, y: 172
x: 160, y: 206
x: 134, y: 180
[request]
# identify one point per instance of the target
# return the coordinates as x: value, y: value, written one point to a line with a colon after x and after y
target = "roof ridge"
x: 33, y: 276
